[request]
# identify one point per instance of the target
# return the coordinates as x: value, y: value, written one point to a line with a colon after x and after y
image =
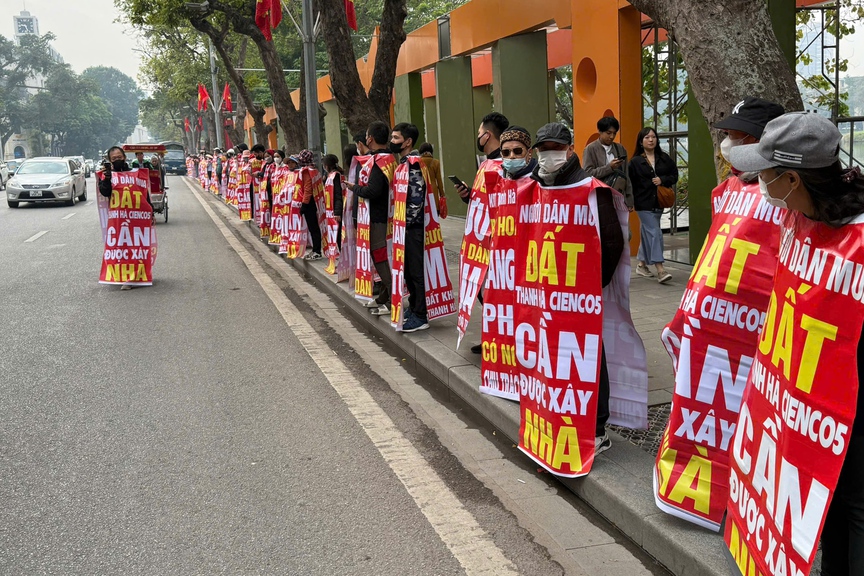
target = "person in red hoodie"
x: 305, y: 159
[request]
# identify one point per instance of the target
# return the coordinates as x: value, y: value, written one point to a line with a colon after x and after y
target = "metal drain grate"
x: 648, y: 440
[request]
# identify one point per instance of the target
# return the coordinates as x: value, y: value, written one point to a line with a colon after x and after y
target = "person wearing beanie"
x: 516, y: 153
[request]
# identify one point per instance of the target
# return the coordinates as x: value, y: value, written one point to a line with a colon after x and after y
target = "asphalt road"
x: 186, y: 428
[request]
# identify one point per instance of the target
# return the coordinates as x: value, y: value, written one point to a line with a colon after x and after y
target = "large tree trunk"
x: 730, y: 51
x: 357, y: 108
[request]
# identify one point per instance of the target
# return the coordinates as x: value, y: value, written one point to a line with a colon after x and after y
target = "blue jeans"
x: 651, y: 244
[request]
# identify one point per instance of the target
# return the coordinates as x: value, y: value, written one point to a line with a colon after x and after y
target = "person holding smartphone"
x: 606, y: 159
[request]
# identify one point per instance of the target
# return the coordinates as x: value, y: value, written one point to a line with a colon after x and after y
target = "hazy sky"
x: 86, y: 31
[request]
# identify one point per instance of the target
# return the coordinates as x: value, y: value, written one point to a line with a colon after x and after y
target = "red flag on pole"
x: 186, y: 126
x: 268, y: 15
x: 203, y: 97
x: 351, y: 14
x: 227, y: 105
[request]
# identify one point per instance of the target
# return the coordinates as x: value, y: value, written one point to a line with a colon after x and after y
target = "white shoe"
x: 371, y: 304
x: 126, y: 287
x: 665, y: 277
x: 643, y: 271
x: 382, y: 310
x: 601, y: 444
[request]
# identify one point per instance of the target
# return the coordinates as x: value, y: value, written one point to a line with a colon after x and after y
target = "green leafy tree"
x: 121, y: 95
x: 18, y: 63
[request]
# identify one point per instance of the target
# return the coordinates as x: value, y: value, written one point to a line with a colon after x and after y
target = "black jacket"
x: 338, y: 199
x: 377, y: 191
x: 611, y: 236
x: 641, y: 174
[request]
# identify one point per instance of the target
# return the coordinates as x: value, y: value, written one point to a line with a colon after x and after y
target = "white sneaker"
x: 643, y: 271
x: 665, y: 277
x: 382, y: 310
x: 601, y: 444
x: 371, y: 304
x: 126, y: 287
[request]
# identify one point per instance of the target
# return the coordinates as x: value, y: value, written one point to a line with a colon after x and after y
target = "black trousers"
x: 378, y: 245
x: 310, y: 212
x: 843, y: 533
x: 415, y: 279
x: 602, y: 395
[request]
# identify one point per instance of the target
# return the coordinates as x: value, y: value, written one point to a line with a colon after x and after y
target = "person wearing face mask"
x: 650, y: 167
x: 516, y: 153
x: 606, y: 159
x: 798, y: 161
x: 558, y: 165
x: 488, y: 143
x: 740, y: 221
x: 116, y: 163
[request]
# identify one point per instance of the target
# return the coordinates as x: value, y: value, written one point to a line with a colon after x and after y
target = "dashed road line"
x: 68, y: 216
x: 36, y: 236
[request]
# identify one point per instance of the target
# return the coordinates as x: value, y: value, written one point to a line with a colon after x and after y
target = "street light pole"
x: 217, y: 112
x: 313, y: 127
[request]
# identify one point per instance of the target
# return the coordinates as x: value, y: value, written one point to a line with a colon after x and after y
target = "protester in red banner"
x: 433, y: 168
x: 650, y: 167
x: 335, y: 173
x: 305, y: 159
x: 401, y: 145
x: 488, y: 143
x: 606, y: 159
x: 740, y: 250
x: 803, y: 404
x: 377, y: 192
x: 558, y: 165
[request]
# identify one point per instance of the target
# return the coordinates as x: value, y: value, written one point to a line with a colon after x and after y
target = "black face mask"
x: 396, y: 148
x: 479, y: 145
x: 118, y: 165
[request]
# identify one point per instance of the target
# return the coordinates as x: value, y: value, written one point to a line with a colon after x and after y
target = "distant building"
x: 21, y: 145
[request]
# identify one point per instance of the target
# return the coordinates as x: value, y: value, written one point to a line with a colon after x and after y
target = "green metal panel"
x: 430, y: 119
x: 520, y: 79
x: 334, y: 137
x: 783, y: 21
x: 408, y: 90
x: 482, y: 103
x: 702, y: 176
x: 456, y: 128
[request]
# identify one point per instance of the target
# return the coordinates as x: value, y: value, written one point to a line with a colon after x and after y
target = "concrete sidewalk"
x: 619, y: 486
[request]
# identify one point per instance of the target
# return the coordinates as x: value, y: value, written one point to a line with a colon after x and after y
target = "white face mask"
x: 551, y: 160
x: 776, y: 202
x: 277, y: 161
x: 727, y: 144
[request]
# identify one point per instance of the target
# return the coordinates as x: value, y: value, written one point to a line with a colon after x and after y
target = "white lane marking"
x: 88, y: 203
x: 472, y: 547
x: 68, y: 216
x: 36, y: 236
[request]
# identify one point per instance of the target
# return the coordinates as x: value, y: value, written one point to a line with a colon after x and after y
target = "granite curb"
x: 619, y: 486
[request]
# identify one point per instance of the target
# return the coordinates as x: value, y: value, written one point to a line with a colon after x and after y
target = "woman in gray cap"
x: 822, y: 243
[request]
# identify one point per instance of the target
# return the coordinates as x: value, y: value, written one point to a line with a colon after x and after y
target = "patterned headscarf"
x: 517, y: 134
x: 305, y: 158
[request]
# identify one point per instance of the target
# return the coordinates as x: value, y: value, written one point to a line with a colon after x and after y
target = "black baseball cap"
x: 751, y: 115
x: 553, y: 132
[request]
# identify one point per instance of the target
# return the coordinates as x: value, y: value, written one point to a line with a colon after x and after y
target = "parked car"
x: 4, y: 175
x: 12, y: 165
x: 82, y: 164
x: 47, y: 180
x: 90, y: 166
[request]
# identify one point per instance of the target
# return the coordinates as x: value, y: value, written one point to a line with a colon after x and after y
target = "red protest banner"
x: 558, y: 325
x: 363, y: 273
x: 712, y: 340
x: 474, y: 254
x: 499, y: 370
x: 294, y: 232
x: 245, y: 191
x: 281, y: 206
x: 263, y: 213
x: 130, y: 240
x: 440, y: 300
x: 795, y: 422
x: 399, y: 194
x: 332, y: 225
x: 346, y: 266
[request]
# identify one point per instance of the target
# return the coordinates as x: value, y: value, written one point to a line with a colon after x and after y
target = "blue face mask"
x: 513, y: 165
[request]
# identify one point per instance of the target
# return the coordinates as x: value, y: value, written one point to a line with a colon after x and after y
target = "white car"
x: 4, y: 174
x: 47, y: 180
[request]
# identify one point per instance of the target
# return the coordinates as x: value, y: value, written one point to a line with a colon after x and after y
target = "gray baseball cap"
x: 793, y: 140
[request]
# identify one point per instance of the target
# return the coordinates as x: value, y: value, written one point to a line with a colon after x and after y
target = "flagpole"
x: 313, y: 126
x: 217, y: 113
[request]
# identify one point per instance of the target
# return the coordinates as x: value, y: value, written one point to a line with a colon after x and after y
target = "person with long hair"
x: 333, y: 181
x: 799, y: 169
x: 650, y: 167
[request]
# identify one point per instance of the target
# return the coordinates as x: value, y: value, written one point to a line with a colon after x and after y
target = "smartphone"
x: 455, y: 180
x: 622, y: 158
